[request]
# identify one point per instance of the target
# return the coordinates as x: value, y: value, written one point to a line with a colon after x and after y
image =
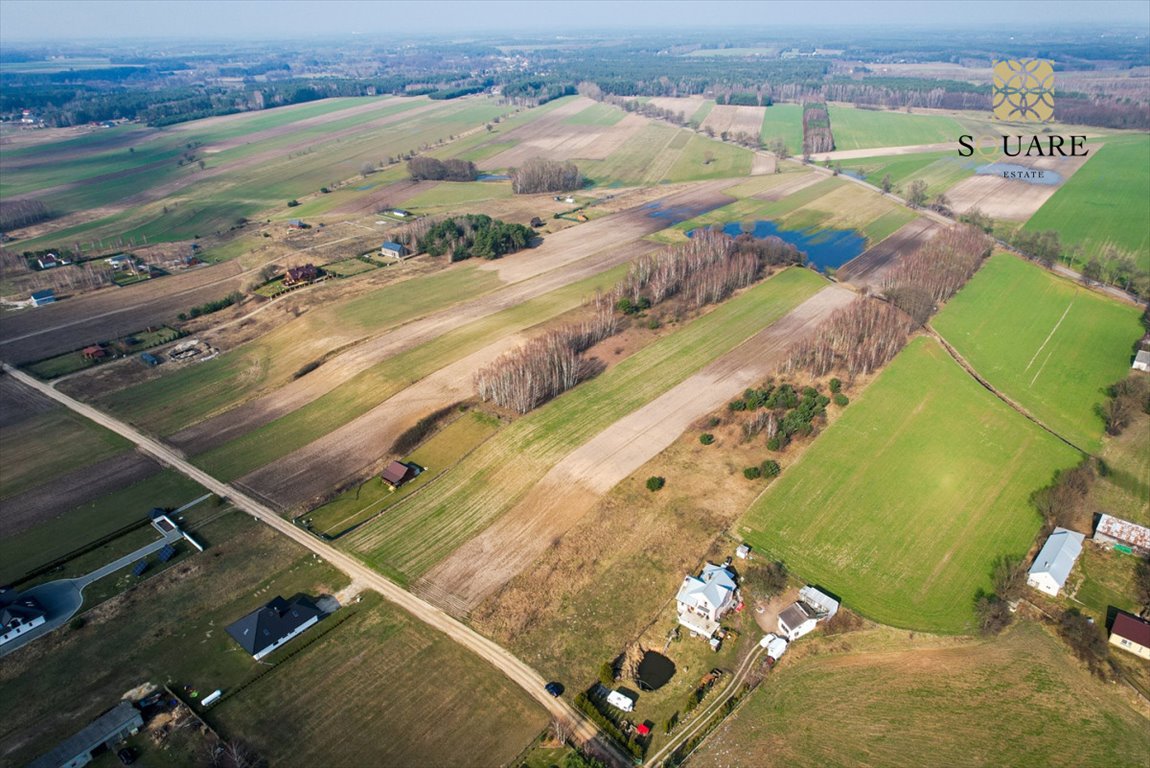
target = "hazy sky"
x: 48, y: 20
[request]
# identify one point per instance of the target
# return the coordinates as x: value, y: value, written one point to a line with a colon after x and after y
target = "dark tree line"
x: 432, y: 169
x: 817, y: 136
x: 934, y: 271
x: 470, y: 236
x: 539, y: 175
x: 22, y: 213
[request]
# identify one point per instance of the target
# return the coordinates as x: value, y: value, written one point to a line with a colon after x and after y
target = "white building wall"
x: 285, y: 638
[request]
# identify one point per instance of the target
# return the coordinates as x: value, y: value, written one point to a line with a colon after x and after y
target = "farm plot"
x: 662, y: 154
x: 173, y: 622
x: 688, y: 106
x: 382, y: 689
x: 1049, y: 344
x: 940, y: 170
x: 50, y: 443
x: 1012, y: 199
x: 903, y: 504
x: 561, y: 134
x: 1008, y: 701
x: 784, y: 121
x: 415, y: 535
x: 865, y: 128
x: 733, y: 121
x: 1082, y: 216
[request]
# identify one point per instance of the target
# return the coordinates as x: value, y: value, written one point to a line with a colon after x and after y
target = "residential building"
x: 19, y: 616
x: 107, y: 730
x: 1054, y: 562
x: 1142, y: 360
x: 703, y: 599
x: 393, y: 250
x: 300, y: 275
x: 40, y: 298
x: 801, y: 617
x: 262, y: 631
x: 1122, y: 535
x: 1132, y: 634
x: 398, y: 473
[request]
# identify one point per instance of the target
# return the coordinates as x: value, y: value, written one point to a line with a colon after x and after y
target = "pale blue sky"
x: 48, y: 20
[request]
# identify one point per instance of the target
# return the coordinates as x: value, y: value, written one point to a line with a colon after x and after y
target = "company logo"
x: 1024, y: 90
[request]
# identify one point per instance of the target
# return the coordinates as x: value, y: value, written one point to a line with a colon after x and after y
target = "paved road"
x: 519, y: 672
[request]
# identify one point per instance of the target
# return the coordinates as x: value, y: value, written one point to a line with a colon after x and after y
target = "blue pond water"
x: 1020, y: 173
x: 492, y: 177
x: 676, y: 214
x: 825, y: 248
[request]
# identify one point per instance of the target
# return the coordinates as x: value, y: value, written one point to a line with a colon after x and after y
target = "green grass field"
x: 184, y: 396
x: 383, y: 689
x: 903, y: 702
x: 597, y: 114
x: 903, y: 504
x: 940, y: 170
x: 368, y: 388
x: 867, y: 128
x: 439, y: 454
x: 1125, y: 490
x: 74, y: 528
x: 1083, y: 216
x: 415, y: 535
x: 447, y: 195
x: 1046, y: 342
x: 784, y: 121
x: 49, y: 444
x: 659, y: 154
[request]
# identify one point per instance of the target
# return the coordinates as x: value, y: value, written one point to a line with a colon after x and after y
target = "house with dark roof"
x: 107, y: 730
x: 802, y: 616
x: 299, y: 275
x: 1132, y: 634
x: 19, y: 616
x: 40, y: 298
x: 262, y: 631
x: 398, y: 473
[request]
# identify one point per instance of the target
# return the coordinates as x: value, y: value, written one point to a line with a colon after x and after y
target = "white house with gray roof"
x: 1142, y: 360
x: 1052, y: 566
x: 703, y: 599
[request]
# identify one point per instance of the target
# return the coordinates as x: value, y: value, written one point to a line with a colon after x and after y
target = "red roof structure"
x: 94, y: 352
x: 643, y: 729
x: 1132, y: 628
x: 397, y: 473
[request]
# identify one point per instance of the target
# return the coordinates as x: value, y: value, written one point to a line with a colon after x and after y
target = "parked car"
x: 555, y: 689
x: 127, y: 755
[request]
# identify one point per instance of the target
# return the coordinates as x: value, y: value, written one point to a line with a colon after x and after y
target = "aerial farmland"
x: 527, y: 403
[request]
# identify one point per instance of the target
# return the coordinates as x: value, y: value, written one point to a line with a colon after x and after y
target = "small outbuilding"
x: 262, y: 631
x: 94, y: 352
x: 393, y: 250
x: 40, y: 298
x: 1132, y: 634
x: 743, y: 551
x: 1054, y: 562
x: 398, y: 473
x: 1142, y: 360
x: 149, y: 359
x: 1122, y: 535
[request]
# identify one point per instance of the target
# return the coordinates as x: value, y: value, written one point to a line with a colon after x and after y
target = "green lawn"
x: 382, y: 689
x: 186, y: 395
x: 446, y: 195
x: 1048, y: 343
x: 597, y: 114
x: 659, y: 153
x: 784, y: 121
x: 49, y: 444
x: 74, y: 528
x: 1004, y: 702
x: 1104, y: 203
x: 439, y: 454
x: 903, y: 504
x: 1125, y: 490
x: 413, y: 536
x: 867, y: 128
x: 370, y: 387
x: 940, y: 170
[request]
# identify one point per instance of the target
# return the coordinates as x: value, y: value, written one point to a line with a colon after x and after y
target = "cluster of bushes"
x: 431, y: 169
x: 695, y: 698
x: 1125, y: 400
x: 787, y: 414
x: 539, y: 175
x: 765, y: 580
x: 473, y: 235
x: 607, y: 725
x: 547, y: 365
x: 655, y: 483
x: 1064, y: 501
x: 1085, y: 638
x: 993, y: 608
x: 769, y: 468
x: 213, y: 306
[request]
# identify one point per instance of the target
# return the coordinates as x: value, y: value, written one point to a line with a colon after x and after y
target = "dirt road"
x: 515, y: 669
x: 579, y: 480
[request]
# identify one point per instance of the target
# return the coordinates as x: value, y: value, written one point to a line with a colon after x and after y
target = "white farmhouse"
x: 801, y: 617
x: 703, y: 599
x: 1142, y: 360
x: 1052, y: 566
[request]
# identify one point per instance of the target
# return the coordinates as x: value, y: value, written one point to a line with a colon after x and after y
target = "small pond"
x: 825, y: 248
x: 493, y: 177
x: 654, y: 671
x: 1020, y: 173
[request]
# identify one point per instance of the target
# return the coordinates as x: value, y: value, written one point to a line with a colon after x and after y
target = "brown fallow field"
x: 551, y: 137
x: 1012, y: 199
x: 735, y: 120
x: 577, y: 483
x: 870, y: 267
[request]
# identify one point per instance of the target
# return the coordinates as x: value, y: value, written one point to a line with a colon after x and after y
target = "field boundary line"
x: 1049, y: 336
x: 970, y: 369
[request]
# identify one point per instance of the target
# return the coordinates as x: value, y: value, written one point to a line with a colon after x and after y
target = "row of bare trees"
x: 21, y: 213
x: 706, y: 269
x: 934, y: 271
x: 548, y: 365
x: 540, y: 175
x: 817, y: 136
x: 856, y: 340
